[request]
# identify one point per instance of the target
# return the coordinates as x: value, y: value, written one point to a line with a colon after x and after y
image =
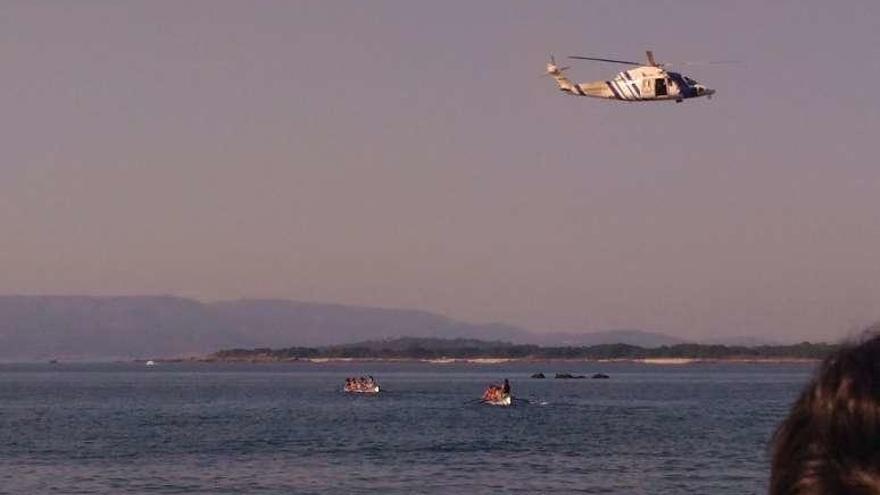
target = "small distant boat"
x: 151, y: 363
x: 364, y: 390
x: 361, y: 385
x: 504, y: 400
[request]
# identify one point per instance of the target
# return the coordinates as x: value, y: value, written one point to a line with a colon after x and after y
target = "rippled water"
x: 198, y: 428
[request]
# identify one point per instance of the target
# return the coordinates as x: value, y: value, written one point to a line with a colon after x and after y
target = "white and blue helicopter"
x: 649, y: 82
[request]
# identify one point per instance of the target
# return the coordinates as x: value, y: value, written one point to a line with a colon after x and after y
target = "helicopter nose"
x: 704, y: 91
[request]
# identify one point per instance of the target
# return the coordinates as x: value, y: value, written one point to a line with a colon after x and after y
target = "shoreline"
x: 485, y: 360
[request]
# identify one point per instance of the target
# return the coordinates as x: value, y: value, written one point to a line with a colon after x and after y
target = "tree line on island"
x: 436, y: 348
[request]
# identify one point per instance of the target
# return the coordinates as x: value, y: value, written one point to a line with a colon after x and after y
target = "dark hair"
x: 830, y: 441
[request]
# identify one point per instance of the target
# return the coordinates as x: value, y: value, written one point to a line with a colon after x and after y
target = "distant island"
x: 435, y: 349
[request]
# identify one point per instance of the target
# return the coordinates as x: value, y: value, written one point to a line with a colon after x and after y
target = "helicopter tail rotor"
x: 555, y: 72
x: 553, y: 69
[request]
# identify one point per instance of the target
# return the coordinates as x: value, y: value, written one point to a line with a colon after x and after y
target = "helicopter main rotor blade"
x: 610, y: 60
x: 706, y: 62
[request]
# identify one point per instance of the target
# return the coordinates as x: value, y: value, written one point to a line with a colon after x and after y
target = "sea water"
x: 289, y: 428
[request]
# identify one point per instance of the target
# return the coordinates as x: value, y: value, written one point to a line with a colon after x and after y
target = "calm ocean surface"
x: 288, y: 428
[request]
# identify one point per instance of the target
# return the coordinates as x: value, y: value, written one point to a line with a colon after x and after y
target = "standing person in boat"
x: 505, y: 390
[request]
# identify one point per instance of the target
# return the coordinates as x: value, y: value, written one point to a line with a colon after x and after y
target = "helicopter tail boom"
x: 596, y: 89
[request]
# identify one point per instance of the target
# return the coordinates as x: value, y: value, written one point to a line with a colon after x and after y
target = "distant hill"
x: 133, y: 327
x: 631, y: 337
x: 78, y: 327
x: 747, y: 341
x: 326, y: 324
x: 404, y: 344
x: 84, y: 327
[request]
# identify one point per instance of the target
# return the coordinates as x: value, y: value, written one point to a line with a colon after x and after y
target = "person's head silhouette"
x: 830, y: 441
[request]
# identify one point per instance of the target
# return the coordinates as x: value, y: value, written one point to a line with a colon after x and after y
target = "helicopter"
x: 646, y: 82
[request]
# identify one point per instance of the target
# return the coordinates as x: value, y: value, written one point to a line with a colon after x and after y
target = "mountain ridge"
x: 78, y: 327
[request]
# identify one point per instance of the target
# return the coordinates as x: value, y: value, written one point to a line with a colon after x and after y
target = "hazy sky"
x: 408, y: 154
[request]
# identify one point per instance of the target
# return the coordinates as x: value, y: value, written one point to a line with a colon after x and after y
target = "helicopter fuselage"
x: 645, y: 83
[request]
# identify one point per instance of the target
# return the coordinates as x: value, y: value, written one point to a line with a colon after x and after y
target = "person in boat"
x: 493, y: 393
x: 505, y: 389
